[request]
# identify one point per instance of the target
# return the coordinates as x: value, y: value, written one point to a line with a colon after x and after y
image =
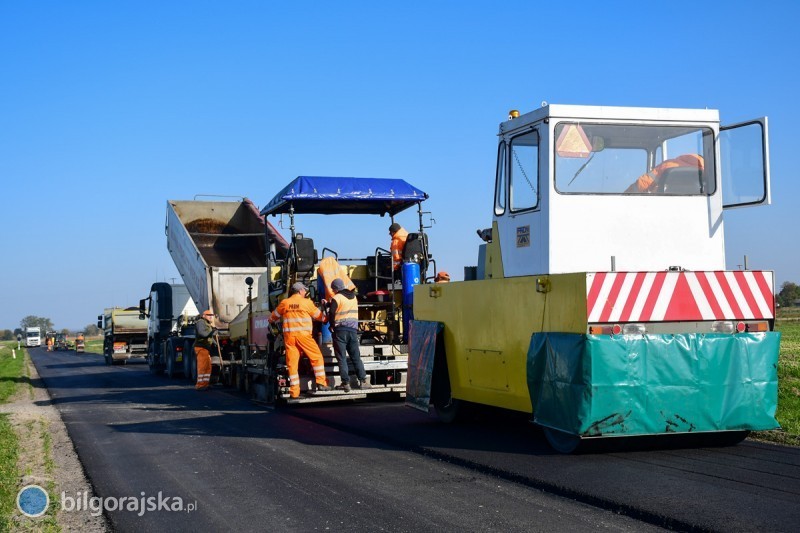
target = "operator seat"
x: 681, y: 180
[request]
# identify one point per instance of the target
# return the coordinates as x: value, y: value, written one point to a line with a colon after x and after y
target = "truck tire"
x: 192, y: 368
x: 174, y: 368
x: 188, y: 355
x: 155, y: 368
x: 171, y: 371
x: 561, y: 441
x: 448, y: 409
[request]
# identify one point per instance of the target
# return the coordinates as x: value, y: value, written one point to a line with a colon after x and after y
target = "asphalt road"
x: 384, y: 467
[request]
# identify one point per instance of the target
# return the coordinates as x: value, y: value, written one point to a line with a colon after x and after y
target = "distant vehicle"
x: 33, y: 337
x: 80, y: 345
x: 61, y: 342
x: 125, y: 334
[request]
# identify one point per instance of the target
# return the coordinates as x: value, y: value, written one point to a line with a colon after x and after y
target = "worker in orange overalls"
x: 203, y: 342
x: 296, y: 313
x: 399, y: 236
x: 442, y: 277
x: 49, y: 344
x: 648, y: 182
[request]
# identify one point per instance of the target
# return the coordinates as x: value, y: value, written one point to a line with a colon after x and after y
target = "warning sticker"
x: 523, y: 236
x: 573, y: 142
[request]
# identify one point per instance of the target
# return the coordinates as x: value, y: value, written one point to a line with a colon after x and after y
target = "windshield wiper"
x: 581, y: 169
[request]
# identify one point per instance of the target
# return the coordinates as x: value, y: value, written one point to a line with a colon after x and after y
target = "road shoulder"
x: 47, y: 458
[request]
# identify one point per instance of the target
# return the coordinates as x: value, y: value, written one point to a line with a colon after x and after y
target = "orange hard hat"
x: 442, y: 276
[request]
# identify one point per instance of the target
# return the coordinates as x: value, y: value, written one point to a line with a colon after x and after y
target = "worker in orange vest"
x: 442, y: 277
x: 203, y: 342
x: 344, y: 327
x: 649, y: 182
x: 399, y: 236
x: 296, y: 314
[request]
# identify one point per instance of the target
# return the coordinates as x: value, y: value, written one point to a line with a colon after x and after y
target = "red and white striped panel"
x: 673, y: 296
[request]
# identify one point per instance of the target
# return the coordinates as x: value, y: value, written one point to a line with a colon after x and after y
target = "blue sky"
x: 109, y: 109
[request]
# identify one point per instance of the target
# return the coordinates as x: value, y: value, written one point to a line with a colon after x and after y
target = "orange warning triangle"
x: 573, y: 142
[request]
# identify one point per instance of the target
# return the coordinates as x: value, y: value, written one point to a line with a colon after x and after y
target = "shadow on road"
x: 156, y: 404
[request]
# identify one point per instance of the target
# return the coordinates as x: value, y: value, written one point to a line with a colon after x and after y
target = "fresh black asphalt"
x: 370, y: 466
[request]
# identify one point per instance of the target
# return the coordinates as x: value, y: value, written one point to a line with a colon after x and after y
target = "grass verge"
x: 94, y: 345
x: 10, y: 377
x: 10, y: 370
x: 8, y: 472
x: 788, y: 413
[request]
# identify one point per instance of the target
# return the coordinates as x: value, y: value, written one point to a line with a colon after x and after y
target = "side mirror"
x: 100, y: 321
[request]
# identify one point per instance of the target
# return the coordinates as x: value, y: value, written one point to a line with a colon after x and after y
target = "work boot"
x: 343, y: 387
x: 364, y: 384
x: 323, y: 388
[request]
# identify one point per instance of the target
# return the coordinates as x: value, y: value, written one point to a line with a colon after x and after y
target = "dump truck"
x: 124, y: 335
x: 601, y: 303
x: 383, y: 293
x: 170, y: 314
x: 216, y: 245
x: 33, y: 336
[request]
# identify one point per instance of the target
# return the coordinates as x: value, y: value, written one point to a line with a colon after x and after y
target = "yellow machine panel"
x: 487, y: 352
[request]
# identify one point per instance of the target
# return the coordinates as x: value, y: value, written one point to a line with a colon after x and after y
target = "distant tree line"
x: 45, y: 325
x: 789, y: 294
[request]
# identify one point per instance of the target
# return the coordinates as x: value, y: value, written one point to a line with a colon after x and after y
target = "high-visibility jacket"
x: 648, y: 182
x: 329, y: 270
x: 398, y: 244
x: 345, y: 311
x: 297, y: 313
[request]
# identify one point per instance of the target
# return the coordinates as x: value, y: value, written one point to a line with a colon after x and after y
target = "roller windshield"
x: 593, y: 158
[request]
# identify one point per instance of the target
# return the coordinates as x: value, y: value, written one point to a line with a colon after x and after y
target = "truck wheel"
x: 154, y: 370
x: 451, y: 410
x: 193, y: 369
x: 448, y: 409
x: 561, y: 441
x: 170, y: 362
x: 188, y: 356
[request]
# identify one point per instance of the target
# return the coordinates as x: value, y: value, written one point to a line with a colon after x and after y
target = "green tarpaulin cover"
x: 649, y: 384
x: 421, y: 352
